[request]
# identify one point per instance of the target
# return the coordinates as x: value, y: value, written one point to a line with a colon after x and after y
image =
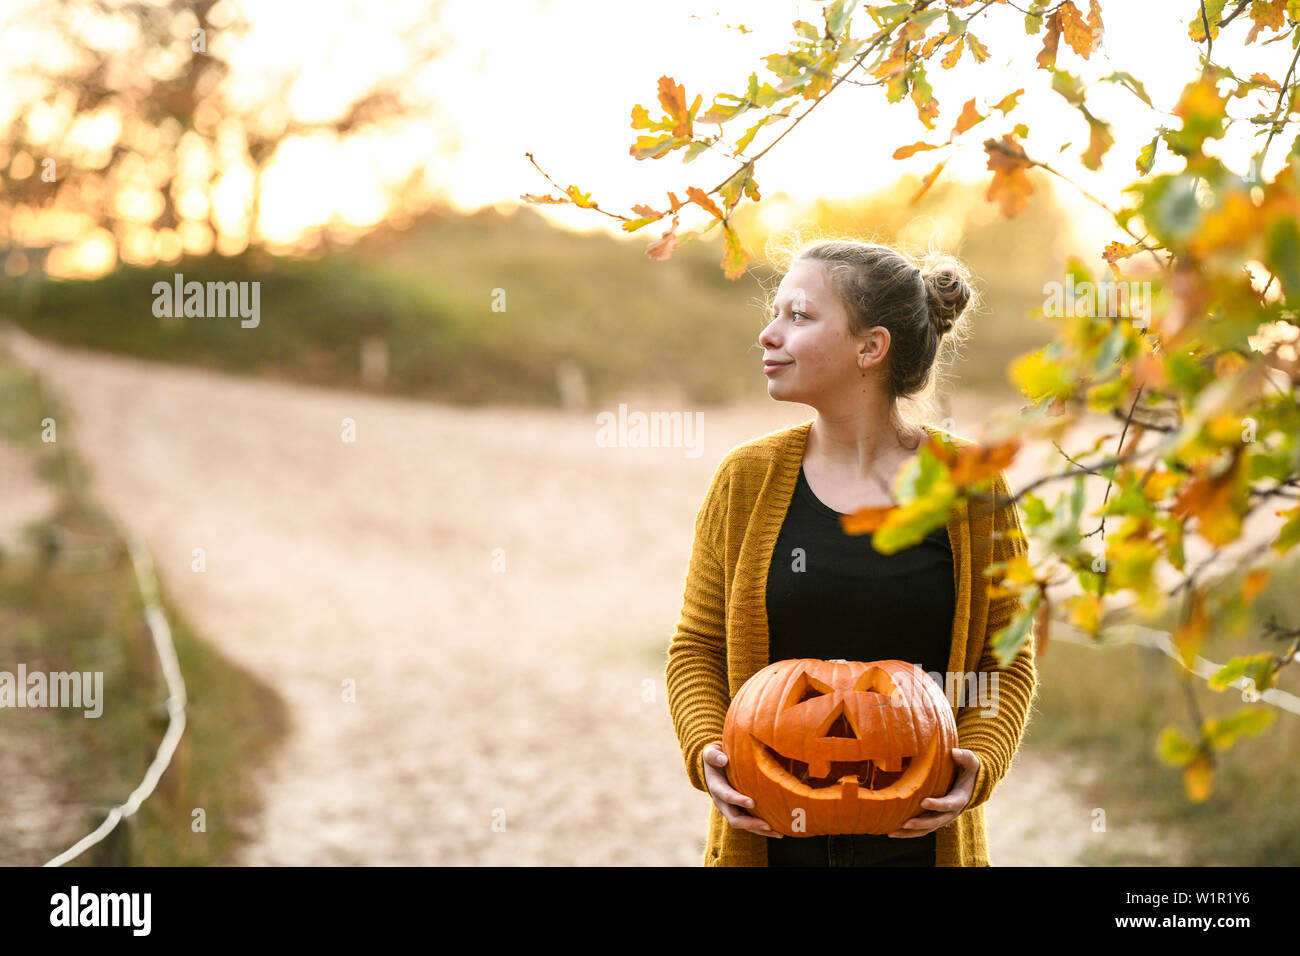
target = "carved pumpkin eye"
x: 806, y: 688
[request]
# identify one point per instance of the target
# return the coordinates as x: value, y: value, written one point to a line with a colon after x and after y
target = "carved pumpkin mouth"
x: 866, y: 773
x: 845, y: 779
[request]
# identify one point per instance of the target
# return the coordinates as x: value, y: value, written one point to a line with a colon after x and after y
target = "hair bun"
x: 948, y: 293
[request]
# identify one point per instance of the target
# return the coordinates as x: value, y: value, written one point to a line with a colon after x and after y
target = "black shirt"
x: 831, y: 595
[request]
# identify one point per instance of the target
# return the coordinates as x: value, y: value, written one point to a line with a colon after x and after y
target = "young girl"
x: 854, y: 328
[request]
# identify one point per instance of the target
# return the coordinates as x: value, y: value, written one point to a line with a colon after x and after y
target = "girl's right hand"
x: 731, y: 803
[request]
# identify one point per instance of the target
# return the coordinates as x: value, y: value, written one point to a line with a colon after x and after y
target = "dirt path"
x: 533, y: 696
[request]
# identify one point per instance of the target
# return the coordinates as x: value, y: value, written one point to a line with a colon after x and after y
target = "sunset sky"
x: 558, y: 78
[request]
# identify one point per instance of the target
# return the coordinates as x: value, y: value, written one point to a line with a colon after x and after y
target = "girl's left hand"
x: 946, y: 808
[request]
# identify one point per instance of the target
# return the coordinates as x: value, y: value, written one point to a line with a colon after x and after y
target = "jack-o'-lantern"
x: 839, y: 746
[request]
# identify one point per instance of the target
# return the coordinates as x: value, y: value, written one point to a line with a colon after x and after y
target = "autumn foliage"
x: 1198, y: 373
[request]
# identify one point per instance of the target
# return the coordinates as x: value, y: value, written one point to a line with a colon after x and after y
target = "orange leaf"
x: 662, y: 249
x: 1191, y: 632
x: 973, y: 463
x: 969, y: 117
x: 701, y: 199
x: 905, y: 151
x: 1082, y: 36
x: 866, y: 520
x: 1051, y: 40
x: 1042, y: 625
x: 672, y: 97
x: 1010, y: 186
x: 1215, y: 502
x: 1254, y: 583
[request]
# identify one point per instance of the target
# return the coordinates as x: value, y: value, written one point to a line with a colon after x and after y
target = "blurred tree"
x: 132, y: 116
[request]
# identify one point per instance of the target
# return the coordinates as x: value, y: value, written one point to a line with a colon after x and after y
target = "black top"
x: 831, y: 595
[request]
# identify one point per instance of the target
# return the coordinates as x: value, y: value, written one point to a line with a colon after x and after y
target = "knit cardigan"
x: 722, y: 634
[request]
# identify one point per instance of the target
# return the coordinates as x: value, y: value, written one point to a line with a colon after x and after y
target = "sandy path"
x: 477, y: 692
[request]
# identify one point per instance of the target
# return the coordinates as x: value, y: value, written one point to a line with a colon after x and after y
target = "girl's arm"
x: 698, y: 691
x: 995, y: 739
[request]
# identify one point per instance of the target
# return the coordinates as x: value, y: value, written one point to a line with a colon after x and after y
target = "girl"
x: 855, y: 327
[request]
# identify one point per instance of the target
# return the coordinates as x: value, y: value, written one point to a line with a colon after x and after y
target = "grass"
x: 1106, y: 706
x: 487, y: 308
x: 64, y: 611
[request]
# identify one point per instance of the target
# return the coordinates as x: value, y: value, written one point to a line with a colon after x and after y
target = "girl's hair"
x: 923, y: 303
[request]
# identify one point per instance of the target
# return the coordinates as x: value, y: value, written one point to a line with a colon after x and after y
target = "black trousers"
x: 856, y: 849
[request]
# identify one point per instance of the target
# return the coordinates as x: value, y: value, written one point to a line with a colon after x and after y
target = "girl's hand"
x: 730, y: 803
x: 947, y: 807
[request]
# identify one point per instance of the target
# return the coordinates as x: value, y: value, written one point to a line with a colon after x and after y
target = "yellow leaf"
x: 734, y: 257
x: 1198, y: 779
x: 952, y: 56
x: 1038, y: 376
x: 1099, y: 142
x: 1084, y: 612
x: 928, y: 181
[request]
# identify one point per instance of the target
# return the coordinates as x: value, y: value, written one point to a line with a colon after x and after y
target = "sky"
x: 558, y: 78
x: 561, y: 80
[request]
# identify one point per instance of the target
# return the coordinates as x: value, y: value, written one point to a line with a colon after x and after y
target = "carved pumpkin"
x: 855, y: 746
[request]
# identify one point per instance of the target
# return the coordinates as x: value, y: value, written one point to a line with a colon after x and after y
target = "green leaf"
x: 1006, y: 643
x: 807, y: 30
x: 1175, y: 749
x: 1127, y: 79
x: 1223, y: 732
x: 1147, y: 156
x: 1258, y: 667
x: 837, y: 14
x: 1289, y: 535
x: 1282, y: 245
x: 1034, y: 510
x: 890, y: 16
x: 927, y: 494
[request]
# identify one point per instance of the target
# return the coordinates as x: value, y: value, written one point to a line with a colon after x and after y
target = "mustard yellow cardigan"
x: 722, y: 635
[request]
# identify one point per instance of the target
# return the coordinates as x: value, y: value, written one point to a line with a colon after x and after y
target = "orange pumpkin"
x: 855, y: 746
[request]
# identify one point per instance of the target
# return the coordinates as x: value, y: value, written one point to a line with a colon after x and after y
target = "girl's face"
x: 809, y: 334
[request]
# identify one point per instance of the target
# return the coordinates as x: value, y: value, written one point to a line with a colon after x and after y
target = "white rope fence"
x: 147, y: 583
x: 1201, y: 667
